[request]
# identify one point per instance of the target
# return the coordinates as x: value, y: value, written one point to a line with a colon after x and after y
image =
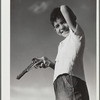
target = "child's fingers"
x: 37, y: 64
x: 44, y: 62
x: 42, y: 65
x: 42, y: 59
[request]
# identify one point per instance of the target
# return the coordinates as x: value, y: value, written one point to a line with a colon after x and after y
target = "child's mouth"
x: 66, y: 30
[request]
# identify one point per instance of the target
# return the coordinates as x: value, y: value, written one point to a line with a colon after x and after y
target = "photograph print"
x: 53, y: 50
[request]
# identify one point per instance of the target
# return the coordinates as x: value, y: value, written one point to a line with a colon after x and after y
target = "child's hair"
x: 56, y: 14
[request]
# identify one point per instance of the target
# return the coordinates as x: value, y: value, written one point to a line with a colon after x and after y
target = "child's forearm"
x: 65, y: 13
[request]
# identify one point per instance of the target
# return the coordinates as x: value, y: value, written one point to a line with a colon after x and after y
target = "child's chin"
x: 65, y: 34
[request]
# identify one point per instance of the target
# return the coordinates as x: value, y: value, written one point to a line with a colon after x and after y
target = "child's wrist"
x: 49, y: 63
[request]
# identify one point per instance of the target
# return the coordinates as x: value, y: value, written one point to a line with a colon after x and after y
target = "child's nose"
x: 61, y: 26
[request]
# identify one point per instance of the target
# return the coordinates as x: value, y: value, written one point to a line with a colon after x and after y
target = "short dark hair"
x: 56, y: 14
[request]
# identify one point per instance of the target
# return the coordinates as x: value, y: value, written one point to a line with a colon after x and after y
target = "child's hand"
x: 38, y: 63
x: 45, y: 62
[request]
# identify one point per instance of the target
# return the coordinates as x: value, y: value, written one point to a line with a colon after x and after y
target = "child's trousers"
x: 69, y: 87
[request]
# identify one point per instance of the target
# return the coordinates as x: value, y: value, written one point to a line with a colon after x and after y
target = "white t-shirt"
x: 70, y: 54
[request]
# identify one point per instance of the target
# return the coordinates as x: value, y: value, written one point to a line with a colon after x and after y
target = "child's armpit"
x: 78, y: 31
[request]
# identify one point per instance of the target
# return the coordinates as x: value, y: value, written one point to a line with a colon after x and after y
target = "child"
x: 69, y: 82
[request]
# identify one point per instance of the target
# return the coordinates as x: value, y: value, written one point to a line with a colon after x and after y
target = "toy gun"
x: 33, y: 64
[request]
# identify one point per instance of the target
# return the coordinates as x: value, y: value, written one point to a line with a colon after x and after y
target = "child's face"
x: 61, y: 27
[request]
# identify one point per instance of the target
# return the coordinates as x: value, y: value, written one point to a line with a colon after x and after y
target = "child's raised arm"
x: 69, y: 16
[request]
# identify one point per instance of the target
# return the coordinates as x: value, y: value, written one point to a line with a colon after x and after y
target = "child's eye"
x: 62, y: 22
x: 56, y: 26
